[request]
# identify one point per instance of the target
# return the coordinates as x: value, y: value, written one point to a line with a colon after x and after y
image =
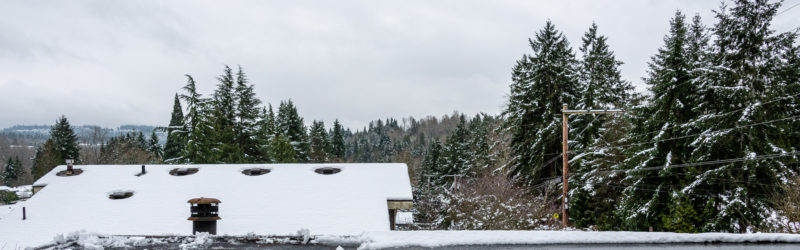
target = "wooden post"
x: 24, y: 216
x: 565, y: 153
x: 565, y: 169
x: 143, y: 169
x: 392, y: 218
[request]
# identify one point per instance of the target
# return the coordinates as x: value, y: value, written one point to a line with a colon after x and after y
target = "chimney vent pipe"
x: 69, y: 165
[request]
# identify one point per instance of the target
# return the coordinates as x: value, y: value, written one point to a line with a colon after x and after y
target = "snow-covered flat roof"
x: 288, y: 198
x: 432, y: 239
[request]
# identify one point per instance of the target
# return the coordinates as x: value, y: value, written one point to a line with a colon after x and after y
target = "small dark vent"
x: 255, y: 171
x: 120, y: 195
x: 327, y: 170
x: 183, y: 171
x: 70, y: 172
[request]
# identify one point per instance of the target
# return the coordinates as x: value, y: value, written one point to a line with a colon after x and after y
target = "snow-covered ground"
x: 289, y: 198
x: 23, y: 192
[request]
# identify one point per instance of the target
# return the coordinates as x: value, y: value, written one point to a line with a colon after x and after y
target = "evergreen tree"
x: 265, y: 134
x: 223, y: 114
x: 282, y: 150
x: 744, y: 77
x: 141, y: 143
x: 47, y: 157
x: 176, y: 134
x: 65, y: 140
x: 603, y: 87
x: 247, y: 114
x: 480, y: 148
x: 153, y: 146
x: 430, y: 207
x: 337, y: 141
x: 433, y: 165
x: 541, y: 83
x: 290, y: 124
x: 674, y: 89
x: 199, y: 141
x: 11, y: 172
x: 319, y: 143
x: 457, y: 153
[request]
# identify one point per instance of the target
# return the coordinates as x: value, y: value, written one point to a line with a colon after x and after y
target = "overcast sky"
x: 120, y: 62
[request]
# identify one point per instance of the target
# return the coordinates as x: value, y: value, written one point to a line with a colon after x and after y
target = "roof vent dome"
x: 256, y: 171
x: 327, y: 170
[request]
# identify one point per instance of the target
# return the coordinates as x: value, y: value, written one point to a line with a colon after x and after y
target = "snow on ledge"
x: 429, y: 239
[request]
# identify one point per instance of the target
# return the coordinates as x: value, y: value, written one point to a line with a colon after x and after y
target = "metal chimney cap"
x: 203, y: 200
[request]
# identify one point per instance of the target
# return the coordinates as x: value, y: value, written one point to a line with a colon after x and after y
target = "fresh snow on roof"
x: 430, y: 239
x: 289, y: 198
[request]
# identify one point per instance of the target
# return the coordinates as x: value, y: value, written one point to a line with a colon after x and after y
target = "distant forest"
x: 711, y: 146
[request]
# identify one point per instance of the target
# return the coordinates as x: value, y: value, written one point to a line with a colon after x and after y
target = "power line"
x: 703, y: 163
x: 721, y: 114
x: 787, y: 9
x: 687, y: 136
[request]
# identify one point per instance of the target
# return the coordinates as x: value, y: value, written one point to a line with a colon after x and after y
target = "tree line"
x: 709, y: 148
x: 231, y: 126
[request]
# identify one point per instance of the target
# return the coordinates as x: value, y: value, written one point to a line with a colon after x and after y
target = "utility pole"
x: 565, y: 156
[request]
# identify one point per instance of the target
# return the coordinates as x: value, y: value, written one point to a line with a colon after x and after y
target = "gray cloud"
x: 113, y: 63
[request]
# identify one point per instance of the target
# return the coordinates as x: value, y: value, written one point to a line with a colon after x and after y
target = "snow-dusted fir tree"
x: 265, y: 134
x: 176, y: 134
x: 247, y: 114
x: 11, y: 172
x: 482, y: 152
x: 746, y: 116
x: 651, y: 195
x: 154, y: 147
x: 318, y: 142
x: 199, y: 126
x: 224, y: 116
x: 428, y: 196
x: 433, y: 164
x: 337, y: 141
x: 541, y: 83
x: 458, y: 154
x: 281, y: 150
x: 65, y: 140
x: 290, y: 125
x: 603, y: 87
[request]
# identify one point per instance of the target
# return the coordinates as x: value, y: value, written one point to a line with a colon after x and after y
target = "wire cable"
x: 688, y: 136
x: 787, y: 9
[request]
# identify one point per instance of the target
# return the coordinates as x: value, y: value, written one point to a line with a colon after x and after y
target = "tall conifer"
x: 667, y: 114
x: 541, y: 83
x: 744, y: 73
x: 176, y: 134
x: 319, y: 143
x: 247, y: 114
x: 65, y: 140
x: 224, y: 120
x: 337, y: 141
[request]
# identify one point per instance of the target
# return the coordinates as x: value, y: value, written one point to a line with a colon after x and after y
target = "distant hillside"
x: 87, y: 134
